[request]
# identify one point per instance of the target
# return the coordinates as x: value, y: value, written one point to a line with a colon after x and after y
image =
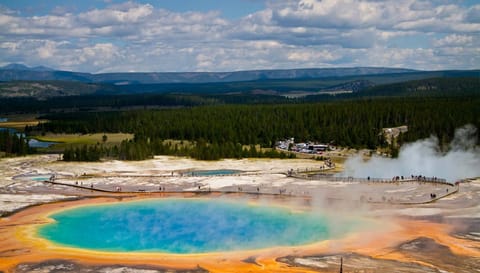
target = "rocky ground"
x: 22, y: 185
x: 63, y: 266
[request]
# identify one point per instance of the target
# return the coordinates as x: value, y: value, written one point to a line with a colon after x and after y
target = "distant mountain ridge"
x: 20, y: 72
x: 22, y: 67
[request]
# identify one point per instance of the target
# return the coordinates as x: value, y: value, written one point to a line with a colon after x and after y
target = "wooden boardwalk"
x: 367, y: 183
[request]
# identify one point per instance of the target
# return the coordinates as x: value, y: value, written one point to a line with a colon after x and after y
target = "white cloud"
x: 286, y: 34
x: 47, y: 50
x: 473, y: 14
x: 330, y: 13
x: 6, y: 20
x: 99, y: 54
x: 454, y: 40
x: 10, y: 46
x: 311, y: 55
x: 52, y: 21
x: 105, y: 17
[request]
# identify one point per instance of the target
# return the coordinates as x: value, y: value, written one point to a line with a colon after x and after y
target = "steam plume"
x: 424, y: 157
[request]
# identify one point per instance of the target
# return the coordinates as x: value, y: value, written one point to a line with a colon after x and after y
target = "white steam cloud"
x: 424, y: 157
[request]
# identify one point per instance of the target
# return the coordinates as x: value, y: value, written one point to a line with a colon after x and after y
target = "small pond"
x: 34, y: 143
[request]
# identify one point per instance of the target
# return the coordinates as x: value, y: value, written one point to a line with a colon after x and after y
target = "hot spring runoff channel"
x: 185, y: 226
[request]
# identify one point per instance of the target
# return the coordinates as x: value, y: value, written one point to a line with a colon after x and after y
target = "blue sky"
x: 229, y: 9
x: 192, y: 35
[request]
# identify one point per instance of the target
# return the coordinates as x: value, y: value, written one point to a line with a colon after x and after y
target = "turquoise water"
x: 183, y: 226
x: 212, y: 172
x: 34, y: 143
x: 40, y: 178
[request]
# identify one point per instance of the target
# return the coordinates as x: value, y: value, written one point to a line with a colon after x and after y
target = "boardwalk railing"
x: 331, y: 177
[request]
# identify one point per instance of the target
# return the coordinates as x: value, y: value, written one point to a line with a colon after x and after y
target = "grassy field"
x: 18, y: 122
x: 74, y: 140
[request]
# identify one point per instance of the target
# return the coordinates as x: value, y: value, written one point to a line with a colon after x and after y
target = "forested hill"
x: 94, y: 97
x: 24, y: 73
x: 48, y: 89
x: 428, y: 87
x: 375, y: 85
x: 433, y: 87
x: 228, y: 127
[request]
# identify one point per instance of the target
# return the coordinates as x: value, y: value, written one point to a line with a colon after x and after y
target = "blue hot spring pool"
x: 184, y: 226
x: 212, y: 172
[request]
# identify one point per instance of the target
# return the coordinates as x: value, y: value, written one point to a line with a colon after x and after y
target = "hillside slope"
x: 23, y: 73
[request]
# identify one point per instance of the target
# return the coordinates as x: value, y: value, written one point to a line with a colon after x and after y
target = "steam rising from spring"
x: 424, y: 157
